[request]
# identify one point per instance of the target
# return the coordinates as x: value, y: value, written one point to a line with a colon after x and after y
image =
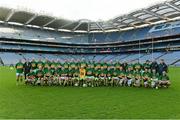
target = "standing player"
x: 82, y: 75
x: 19, y: 72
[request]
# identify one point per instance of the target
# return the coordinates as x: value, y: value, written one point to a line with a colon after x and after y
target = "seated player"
x: 70, y: 76
x: 164, y: 80
x: 137, y: 74
x: 146, y: 77
x: 19, y: 72
x: 76, y: 76
x: 39, y: 76
x: 63, y: 76
x: 102, y: 76
x: 89, y: 76
x: 96, y: 76
x: 154, y: 79
x: 130, y: 77
x: 115, y: 77
x: 109, y: 76
x: 122, y: 77
x: 47, y: 76
x: 31, y: 77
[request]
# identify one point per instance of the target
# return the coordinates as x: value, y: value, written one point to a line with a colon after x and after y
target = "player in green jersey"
x: 115, y: 76
x: 40, y: 63
x: 48, y: 76
x: 122, y: 77
x: 130, y: 75
x: 146, y: 76
x: 40, y: 76
x: 33, y: 64
x: 164, y: 80
x: 19, y: 72
x: 109, y: 80
x: 154, y: 79
x: 89, y: 75
x: 96, y: 75
x: 138, y: 78
x: 31, y: 77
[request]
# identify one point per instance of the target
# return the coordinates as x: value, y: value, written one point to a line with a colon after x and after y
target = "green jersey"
x: 164, y: 77
x: 31, y: 74
x: 110, y: 72
x: 155, y: 76
x: 137, y: 74
x: 137, y: 66
x: 117, y: 65
x: 40, y: 63
x: 19, y: 67
x: 89, y: 72
x: 130, y: 74
x: 47, y: 72
x: 146, y: 66
x: 66, y: 65
x: 122, y: 74
x: 146, y: 76
x: 39, y: 73
x: 115, y: 73
x: 33, y: 65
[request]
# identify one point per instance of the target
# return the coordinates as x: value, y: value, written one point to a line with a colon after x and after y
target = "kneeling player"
x: 154, y: 79
x: 47, y: 76
x: 130, y: 78
x: 31, y: 77
x: 137, y: 82
x: 115, y: 77
x: 164, y: 80
x: 89, y: 76
x: 146, y: 78
x: 40, y: 76
x: 122, y: 78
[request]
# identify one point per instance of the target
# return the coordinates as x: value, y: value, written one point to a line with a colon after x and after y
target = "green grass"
x: 71, y: 102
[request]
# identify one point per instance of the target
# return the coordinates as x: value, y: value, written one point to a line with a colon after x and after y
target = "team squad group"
x: 92, y: 74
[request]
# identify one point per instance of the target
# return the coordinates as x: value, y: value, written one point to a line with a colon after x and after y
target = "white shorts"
x: 115, y: 78
x: 19, y: 74
x: 129, y: 81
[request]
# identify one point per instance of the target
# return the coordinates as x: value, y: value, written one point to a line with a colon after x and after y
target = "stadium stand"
x: 135, y: 37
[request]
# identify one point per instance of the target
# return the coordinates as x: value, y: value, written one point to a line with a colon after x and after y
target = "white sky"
x: 81, y: 9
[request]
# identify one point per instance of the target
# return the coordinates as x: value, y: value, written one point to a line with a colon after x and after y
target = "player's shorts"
x: 90, y: 77
x: 115, y: 78
x: 19, y: 74
x: 129, y: 81
x: 146, y: 83
x: 63, y: 78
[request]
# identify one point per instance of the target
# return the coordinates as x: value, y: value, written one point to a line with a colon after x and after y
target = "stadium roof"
x: 160, y: 13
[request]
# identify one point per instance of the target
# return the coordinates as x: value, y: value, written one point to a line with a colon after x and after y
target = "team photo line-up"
x: 92, y: 74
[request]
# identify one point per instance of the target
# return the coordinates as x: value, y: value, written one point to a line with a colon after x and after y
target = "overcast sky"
x: 81, y: 9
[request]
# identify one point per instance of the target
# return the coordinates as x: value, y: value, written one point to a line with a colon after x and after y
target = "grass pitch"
x: 74, y: 102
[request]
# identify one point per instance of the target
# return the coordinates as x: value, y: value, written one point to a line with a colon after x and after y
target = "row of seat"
x: 12, y: 58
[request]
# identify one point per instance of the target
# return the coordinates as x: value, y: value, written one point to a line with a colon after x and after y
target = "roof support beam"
x: 66, y: 25
x: 49, y: 22
x: 11, y: 13
x: 100, y: 26
x: 77, y: 26
x: 155, y: 14
x: 115, y: 26
x: 130, y: 25
x: 88, y: 30
x: 173, y: 6
x: 138, y: 19
x: 31, y: 19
